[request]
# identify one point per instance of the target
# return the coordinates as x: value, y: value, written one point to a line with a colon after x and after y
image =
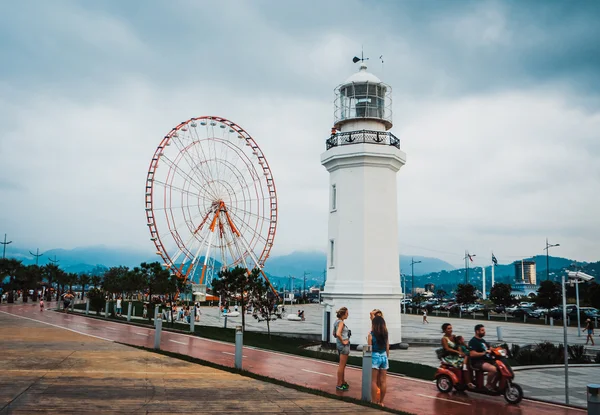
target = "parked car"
x: 526, y: 311
x: 511, y: 309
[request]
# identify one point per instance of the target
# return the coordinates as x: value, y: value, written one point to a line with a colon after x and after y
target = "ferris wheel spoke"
x: 177, y: 188
x: 257, y: 216
x: 194, y: 165
x: 185, y: 176
x: 198, y: 147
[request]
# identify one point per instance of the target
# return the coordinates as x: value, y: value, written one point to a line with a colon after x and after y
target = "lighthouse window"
x: 331, y: 253
x: 333, y: 197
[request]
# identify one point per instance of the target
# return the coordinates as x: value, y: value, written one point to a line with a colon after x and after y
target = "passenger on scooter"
x: 479, y: 356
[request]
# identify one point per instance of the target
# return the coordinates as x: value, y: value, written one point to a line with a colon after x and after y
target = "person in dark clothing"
x: 479, y: 356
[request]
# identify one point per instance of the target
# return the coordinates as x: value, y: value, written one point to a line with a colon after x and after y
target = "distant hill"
x: 280, y: 269
x: 315, y: 263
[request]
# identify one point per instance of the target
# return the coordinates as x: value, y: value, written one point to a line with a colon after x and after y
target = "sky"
x: 496, y: 104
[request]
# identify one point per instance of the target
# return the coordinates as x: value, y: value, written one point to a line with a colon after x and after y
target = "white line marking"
x: 557, y: 405
x: 141, y: 334
x: 318, y: 373
x: 232, y: 354
x: 57, y: 326
x: 442, y: 399
x: 109, y: 328
x: 175, y: 341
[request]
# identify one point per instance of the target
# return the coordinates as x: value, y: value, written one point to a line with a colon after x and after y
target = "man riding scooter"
x: 479, y: 356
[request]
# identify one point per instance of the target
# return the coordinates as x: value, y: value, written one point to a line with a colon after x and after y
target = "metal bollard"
x: 459, y: 313
x: 158, y: 326
x: 106, y: 310
x: 505, y: 317
x: 499, y: 333
x: 524, y: 318
x: 192, y: 319
x: 473, y: 315
x: 156, y: 314
x: 225, y: 323
x: 551, y: 321
x: 129, y: 306
x: 366, y: 373
x: 593, y: 399
x: 489, y: 318
x: 73, y: 305
x: 87, y: 307
x: 239, y: 343
x: 596, y: 322
x: 133, y: 311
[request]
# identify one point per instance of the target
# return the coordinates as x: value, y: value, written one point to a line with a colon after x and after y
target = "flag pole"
x: 483, y: 277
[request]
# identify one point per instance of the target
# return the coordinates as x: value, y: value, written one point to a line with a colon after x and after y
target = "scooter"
x: 448, y: 377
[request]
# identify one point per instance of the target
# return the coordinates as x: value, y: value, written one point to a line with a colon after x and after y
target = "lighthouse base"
x: 359, y: 321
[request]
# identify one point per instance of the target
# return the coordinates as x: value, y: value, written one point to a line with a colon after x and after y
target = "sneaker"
x: 346, y: 385
x: 342, y: 388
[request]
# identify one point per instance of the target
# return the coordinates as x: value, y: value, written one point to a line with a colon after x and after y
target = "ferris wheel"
x: 211, y: 201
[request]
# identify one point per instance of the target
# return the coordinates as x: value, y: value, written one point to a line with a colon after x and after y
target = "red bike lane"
x: 405, y: 394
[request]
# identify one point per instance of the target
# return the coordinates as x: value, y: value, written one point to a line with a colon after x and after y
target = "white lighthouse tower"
x: 362, y: 158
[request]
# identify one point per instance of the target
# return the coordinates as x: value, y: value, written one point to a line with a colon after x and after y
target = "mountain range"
x: 285, y: 269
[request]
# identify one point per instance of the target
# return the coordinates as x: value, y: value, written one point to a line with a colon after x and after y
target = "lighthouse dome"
x: 363, y: 76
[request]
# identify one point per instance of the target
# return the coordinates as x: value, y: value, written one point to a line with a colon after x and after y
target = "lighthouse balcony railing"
x: 362, y: 137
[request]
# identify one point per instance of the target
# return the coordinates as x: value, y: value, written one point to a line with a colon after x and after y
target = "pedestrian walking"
x: 145, y: 311
x: 342, y: 339
x: 41, y: 304
x: 589, y: 327
x: 425, y: 316
x: 380, y: 354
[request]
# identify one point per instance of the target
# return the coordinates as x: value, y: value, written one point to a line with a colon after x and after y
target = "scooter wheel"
x: 513, y: 393
x: 444, y: 383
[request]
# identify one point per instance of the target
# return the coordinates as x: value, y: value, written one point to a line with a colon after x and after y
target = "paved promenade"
x: 411, y: 395
x: 51, y: 370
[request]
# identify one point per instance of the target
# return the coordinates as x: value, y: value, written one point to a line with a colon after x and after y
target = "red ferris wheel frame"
x: 183, y: 271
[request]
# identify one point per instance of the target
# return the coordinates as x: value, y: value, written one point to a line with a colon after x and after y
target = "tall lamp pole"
x: 566, y: 348
x: 412, y: 267
x: 403, y: 276
x: 548, y: 246
x: 37, y: 255
x: 304, y: 293
x: 5, y: 243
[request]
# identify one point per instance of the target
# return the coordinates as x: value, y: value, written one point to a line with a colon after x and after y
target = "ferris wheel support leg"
x: 212, y: 233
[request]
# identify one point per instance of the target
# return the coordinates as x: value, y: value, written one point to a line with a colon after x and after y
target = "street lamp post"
x: 403, y: 276
x: 37, y: 255
x: 548, y: 246
x: 577, y: 278
x: 412, y: 267
x: 566, y: 352
x: 5, y: 243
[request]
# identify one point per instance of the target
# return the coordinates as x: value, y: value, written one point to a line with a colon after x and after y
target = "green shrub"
x: 577, y: 354
x: 97, y: 300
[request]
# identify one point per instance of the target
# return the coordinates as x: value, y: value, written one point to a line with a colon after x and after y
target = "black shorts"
x: 478, y: 363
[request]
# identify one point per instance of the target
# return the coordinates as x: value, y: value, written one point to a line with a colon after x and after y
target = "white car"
x: 511, y: 309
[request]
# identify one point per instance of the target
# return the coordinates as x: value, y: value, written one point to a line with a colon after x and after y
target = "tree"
x: 264, y: 303
x: 114, y: 280
x: 9, y: 267
x: 96, y: 280
x: 70, y: 279
x: 239, y: 285
x: 500, y: 295
x: 441, y: 293
x: 28, y: 278
x: 465, y: 294
x: 548, y: 295
x: 592, y: 295
x: 51, y: 272
x: 418, y: 299
x: 84, y: 279
x: 96, y: 297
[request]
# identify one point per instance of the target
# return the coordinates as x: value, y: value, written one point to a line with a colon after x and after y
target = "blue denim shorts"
x: 380, y: 361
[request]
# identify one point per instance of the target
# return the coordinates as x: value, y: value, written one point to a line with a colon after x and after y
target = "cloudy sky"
x: 497, y: 105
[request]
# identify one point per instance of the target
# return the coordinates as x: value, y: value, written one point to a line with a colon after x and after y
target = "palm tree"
x: 9, y: 267
x: 84, y: 279
x: 51, y: 272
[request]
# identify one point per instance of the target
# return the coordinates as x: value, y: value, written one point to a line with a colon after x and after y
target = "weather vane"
x: 362, y: 57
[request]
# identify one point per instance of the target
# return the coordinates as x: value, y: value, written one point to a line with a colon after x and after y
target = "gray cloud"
x: 496, y: 104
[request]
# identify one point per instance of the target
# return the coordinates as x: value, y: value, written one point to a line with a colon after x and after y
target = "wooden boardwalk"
x: 47, y: 369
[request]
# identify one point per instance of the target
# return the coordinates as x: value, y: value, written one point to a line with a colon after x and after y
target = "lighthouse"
x: 362, y: 157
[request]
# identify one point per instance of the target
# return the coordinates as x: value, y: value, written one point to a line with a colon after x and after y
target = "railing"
x: 362, y: 137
